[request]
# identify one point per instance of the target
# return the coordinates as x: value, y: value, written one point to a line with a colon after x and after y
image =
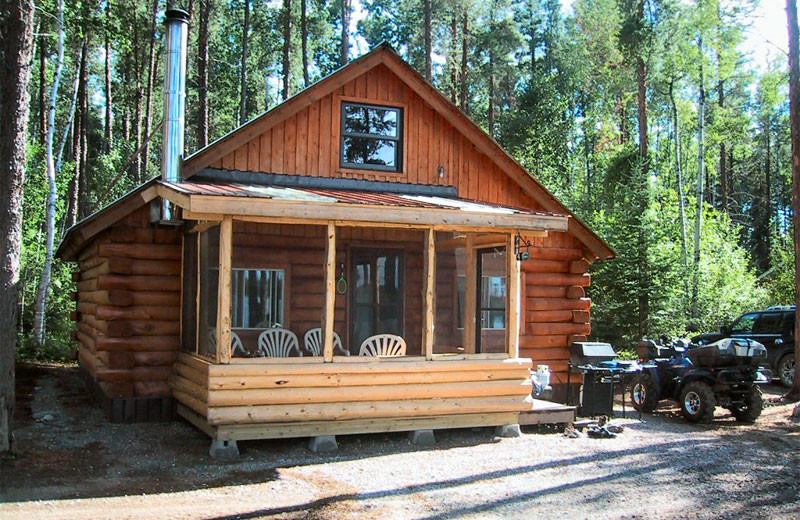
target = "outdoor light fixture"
x: 520, y: 244
x: 441, y: 172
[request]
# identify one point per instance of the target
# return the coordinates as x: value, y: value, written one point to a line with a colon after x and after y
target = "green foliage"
x: 779, y: 282
x: 564, y: 90
x: 645, y: 233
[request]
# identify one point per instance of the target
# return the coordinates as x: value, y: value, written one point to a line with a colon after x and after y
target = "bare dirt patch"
x: 71, y: 463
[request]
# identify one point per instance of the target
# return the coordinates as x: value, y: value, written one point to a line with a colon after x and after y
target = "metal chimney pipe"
x: 177, y: 29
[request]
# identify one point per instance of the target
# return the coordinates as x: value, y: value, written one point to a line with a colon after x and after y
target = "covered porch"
x: 321, y: 272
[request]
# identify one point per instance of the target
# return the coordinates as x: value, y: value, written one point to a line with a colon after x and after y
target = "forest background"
x: 648, y: 118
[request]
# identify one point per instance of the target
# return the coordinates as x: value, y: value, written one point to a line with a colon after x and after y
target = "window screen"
x: 493, y: 302
x: 371, y: 137
x: 258, y: 299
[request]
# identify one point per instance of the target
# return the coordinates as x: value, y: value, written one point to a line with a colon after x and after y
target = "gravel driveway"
x: 73, y: 464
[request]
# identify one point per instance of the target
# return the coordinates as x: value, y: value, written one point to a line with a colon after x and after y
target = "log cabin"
x: 362, y: 257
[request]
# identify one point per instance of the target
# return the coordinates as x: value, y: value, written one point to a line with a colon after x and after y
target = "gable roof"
x: 385, y: 55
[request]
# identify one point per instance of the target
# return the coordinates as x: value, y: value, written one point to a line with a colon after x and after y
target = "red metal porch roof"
x: 373, y: 198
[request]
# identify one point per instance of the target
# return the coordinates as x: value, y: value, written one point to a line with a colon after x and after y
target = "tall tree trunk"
x: 464, y: 61
x: 492, y: 70
x: 794, y: 104
x: 77, y: 153
x: 344, y: 52
x: 42, y: 101
x: 151, y: 74
x: 698, y: 225
x: 243, y: 65
x: 109, y: 123
x: 287, y: 48
x: 679, y: 171
x: 767, y: 194
x: 723, y: 167
x: 304, y: 40
x: 68, y: 127
x: 202, y: 73
x: 491, y: 94
x: 137, y: 102
x: 641, y: 97
x: 426, y: 10
x: 644, y: 155
x: 16, y: 51
x: 83, y: 135
x: 452, y: 61
x: 126, y: 118
x: 44, y: 282
x: 622, y: 114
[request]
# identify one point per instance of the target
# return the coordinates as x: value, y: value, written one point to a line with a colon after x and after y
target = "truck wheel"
x: 697, y: 402
x: 753, y: 404
x: 644, y: 393
x: 786, y: 370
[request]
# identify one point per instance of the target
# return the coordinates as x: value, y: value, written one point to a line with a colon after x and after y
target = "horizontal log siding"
x: 308, y: 142
x: 128, y: 307
x: 286, y: 393
x: 555, y: 309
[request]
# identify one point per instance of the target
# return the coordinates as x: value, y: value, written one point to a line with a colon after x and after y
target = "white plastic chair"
x: 383, y: 345
x: 313, y: 342
x: 237, y: 346
x: 278, y: 343
x: 236, y: 343
x: 211, y: 340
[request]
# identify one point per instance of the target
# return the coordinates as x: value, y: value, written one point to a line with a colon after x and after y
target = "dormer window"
x: 371, y: 137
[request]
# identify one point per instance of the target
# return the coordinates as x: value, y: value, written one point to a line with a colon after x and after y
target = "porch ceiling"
x: 211, y: 199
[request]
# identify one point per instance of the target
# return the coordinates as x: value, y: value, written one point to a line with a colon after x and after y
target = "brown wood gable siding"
x: 308, y: 143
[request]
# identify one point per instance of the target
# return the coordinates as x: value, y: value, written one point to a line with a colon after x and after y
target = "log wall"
x: 261, y: 393
x: 128, y: 307
x: 128, y: 298
x: 555, y: 308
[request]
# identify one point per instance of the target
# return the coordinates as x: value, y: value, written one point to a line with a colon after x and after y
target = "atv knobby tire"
x: 644, y: 393
x: 753, y: 404
x: 697, y: 402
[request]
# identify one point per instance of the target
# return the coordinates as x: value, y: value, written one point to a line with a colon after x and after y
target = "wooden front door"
x: 377, y: 295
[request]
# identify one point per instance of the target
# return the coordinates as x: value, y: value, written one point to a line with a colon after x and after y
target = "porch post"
x: 512, y: 309
x: 224, y: 291
x: 471, y: 289
x: 429, y: 266
x: 330, y: 294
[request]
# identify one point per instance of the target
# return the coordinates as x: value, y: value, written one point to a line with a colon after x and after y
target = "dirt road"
x: 72, y: 464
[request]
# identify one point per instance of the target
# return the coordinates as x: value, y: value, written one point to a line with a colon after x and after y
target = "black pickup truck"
x: 773, y: 328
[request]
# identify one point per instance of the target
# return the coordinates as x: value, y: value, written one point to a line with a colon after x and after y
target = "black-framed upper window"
x: 372, y: 137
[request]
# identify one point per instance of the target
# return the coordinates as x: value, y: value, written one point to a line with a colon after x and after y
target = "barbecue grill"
x: 602, y: 372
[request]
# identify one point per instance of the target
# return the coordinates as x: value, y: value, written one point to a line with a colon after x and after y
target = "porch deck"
x: 263, y: 399
x: 546, y: 412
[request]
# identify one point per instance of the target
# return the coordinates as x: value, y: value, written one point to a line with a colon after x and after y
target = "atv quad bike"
x: 700, y: 378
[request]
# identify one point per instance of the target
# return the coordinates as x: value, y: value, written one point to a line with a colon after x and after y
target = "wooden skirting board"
x: 546, y: 412
x: 357, y: 426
